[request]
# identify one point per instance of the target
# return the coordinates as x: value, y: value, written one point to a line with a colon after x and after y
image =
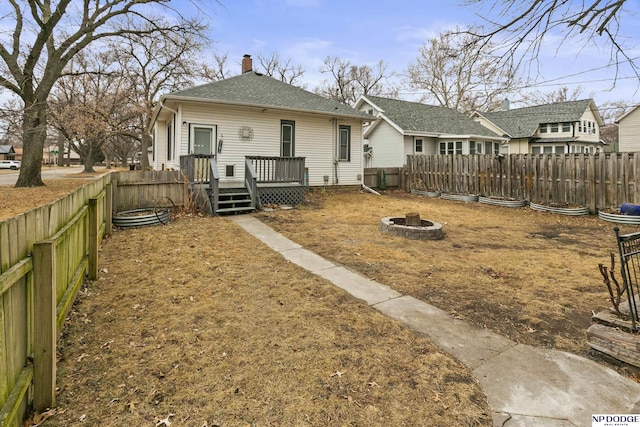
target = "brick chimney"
x: 247, y: 64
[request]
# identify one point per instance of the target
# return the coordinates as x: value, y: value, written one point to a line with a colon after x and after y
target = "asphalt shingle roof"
x: 6, y: 149
x: 417, y: 117
x: 523, y: 122
x: 257, y: 89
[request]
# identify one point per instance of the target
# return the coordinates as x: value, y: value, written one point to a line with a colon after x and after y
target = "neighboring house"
x: 7, y: 152
x: 400, y: 128
x: 561, y: 127
x: 629, y: 130
x: 252, y: 115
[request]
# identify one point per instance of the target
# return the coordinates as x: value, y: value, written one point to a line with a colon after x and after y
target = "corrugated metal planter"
x: 141, y: 217
x: 619, y: 218
x: 426, y: 193
x: 577, y: 211
x: 509, y: 203
x: 460, y: 197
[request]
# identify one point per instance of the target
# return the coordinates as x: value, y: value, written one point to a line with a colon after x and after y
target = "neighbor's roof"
x: 414, y: 117
x: 257, y: 90
x: 6, y: 149
x: 524, y: 122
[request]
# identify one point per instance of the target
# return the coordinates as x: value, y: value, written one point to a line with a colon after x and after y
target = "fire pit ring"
x: 427, y: 230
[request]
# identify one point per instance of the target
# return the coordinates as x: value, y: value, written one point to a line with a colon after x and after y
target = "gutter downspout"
x: 335, y: 148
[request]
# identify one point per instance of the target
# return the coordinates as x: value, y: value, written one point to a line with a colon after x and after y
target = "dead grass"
x: 530, y: 276
x: 14, y: 201
x: 199, y: 324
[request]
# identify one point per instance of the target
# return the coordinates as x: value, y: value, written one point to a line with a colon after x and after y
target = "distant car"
x: 10, y: 164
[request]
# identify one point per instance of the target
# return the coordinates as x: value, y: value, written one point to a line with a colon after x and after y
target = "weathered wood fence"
x: 599, y: 181
x: 383, y: 177
x: 145, y: 189
x: 45, y: 255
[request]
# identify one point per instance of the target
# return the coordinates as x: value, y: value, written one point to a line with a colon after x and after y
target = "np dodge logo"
x: 603, y: 420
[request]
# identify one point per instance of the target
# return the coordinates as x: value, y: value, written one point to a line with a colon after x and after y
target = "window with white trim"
x: 169, y: 141
x: 418, y: 145
x: 472, y: 147
x: 566, y: 127
x: 345, y: 143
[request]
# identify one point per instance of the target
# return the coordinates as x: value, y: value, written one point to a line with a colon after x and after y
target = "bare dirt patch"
x: 199, y: 322
x: 530, y: 276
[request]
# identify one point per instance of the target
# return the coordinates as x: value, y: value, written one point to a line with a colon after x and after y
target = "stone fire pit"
x: 412, y: 227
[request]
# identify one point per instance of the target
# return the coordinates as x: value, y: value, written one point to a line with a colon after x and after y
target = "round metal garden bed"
x: 426, y: 193
x: 460, y: 197
x: 141, y: 217
x: 582, y: 210
x: 509, y: 203
x: 619, y: 218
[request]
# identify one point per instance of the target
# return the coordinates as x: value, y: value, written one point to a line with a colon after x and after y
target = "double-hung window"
x: 287, y: 138
x: 344, y: 154
x: 419, y: 147
x: 170, y: 141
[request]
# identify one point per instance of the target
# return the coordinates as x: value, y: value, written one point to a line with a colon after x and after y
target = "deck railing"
x: 251, y: 184
x: 196, y: 167
x: 278, y: 169
x: 214, y: 183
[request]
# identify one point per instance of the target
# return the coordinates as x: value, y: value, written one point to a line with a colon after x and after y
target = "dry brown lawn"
x: 527, y: 275
x: 199, y: 324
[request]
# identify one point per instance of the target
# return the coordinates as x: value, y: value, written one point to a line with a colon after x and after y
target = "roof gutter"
x: 364, y: 117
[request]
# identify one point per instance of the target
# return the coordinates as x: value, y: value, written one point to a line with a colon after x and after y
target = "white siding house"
x: 629, y: 130
x: 560, y: 127
x: 256, y: 115
x: 400, y: 128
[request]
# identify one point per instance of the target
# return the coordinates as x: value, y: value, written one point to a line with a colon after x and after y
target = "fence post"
x: 92, y: 272
x: 44, y: 353
x: 108, y: 209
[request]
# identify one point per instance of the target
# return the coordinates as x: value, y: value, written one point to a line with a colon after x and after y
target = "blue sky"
x: 366, y: 31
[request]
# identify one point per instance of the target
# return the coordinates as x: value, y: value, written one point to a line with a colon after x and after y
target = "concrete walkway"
x: 525, y: 386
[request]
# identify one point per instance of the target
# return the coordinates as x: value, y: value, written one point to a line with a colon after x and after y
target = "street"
x: 9, y: 178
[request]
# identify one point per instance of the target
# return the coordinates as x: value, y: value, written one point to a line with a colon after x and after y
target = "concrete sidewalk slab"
x: 472, y: 346
x: 307, y: 260
x: 266, y: 234
x: 551, y: 384
x: 360, y: 287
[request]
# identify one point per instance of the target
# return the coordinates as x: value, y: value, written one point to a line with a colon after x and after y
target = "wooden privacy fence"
x: 44, y: 257
x: 146, y: 189
x: 383, y: 177
x: 598, y: 181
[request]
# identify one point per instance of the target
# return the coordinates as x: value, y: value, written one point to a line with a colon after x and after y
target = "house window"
x: 287, y: 138
x: 566, y: 127
x: 472, y: 147
x: 543, y: 128
x: 559, y: 149
x: 491, y: 148
x: 451, y: 147
x: 418, y: 146
x: 554, y: 127
x: 458, y: 147
x: 169, y: 142
x: 345, y: 144
x: 229, y: 170
x: 536, y: 149
x: 547, y: 149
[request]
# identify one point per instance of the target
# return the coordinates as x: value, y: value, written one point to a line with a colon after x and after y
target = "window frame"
x: 292, y: 124
x: 347, y: 147
x: 170, y: 140
x: 415, y: 145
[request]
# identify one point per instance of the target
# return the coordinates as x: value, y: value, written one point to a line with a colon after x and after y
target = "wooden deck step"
x: 621, y: 345
x: 235, y: 209
x: 607, y: 318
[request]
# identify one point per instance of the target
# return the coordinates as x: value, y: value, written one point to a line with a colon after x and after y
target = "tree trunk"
x: 145, y: 143
x: 88, y: 159
x: 34, y: 133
